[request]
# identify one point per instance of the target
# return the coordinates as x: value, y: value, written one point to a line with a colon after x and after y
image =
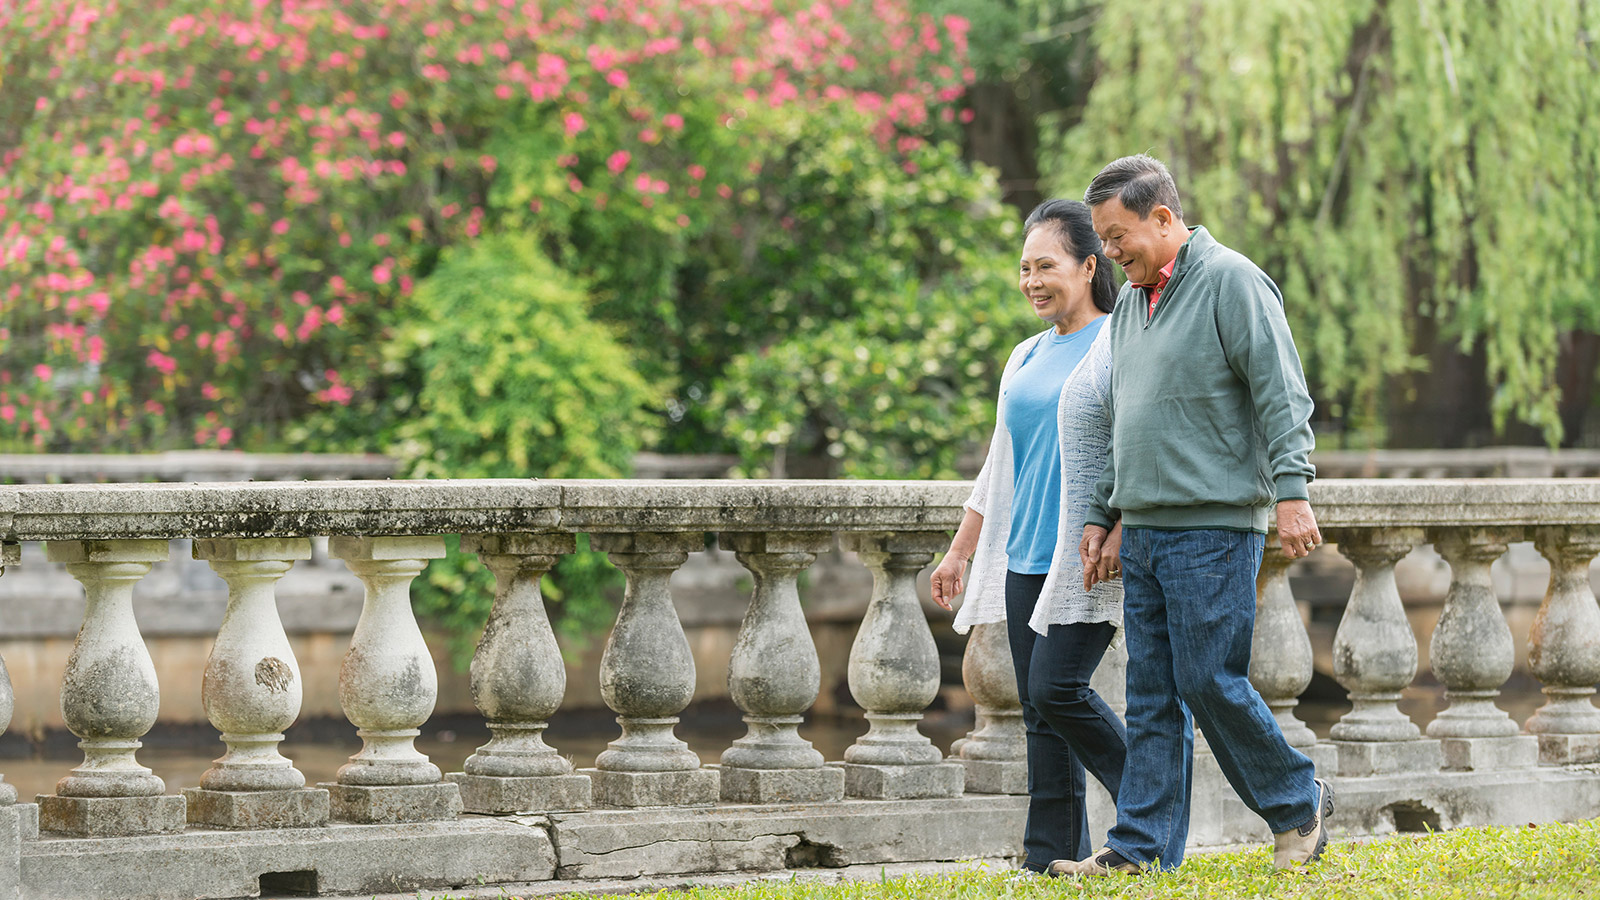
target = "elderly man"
x: 1210, y: 428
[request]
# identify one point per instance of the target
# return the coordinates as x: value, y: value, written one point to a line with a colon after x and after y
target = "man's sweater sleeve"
x: 1100, y: 511
x: 1255, y: 337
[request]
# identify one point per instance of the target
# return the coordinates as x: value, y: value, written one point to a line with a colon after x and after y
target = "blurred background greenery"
x: 524, y: 239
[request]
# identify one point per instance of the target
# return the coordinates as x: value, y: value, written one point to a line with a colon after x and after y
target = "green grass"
x: 1548, y: 861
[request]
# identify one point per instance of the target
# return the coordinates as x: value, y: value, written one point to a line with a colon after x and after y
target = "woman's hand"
x: 949, y: 578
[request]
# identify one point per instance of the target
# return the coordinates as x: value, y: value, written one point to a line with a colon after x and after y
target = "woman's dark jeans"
x: 1069, y: 727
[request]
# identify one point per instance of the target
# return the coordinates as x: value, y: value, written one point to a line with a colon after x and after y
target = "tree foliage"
x: 1394, y: 166
x: 208, y: 209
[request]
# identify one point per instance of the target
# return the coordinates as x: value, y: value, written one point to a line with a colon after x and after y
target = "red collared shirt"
x: 1154, y: 290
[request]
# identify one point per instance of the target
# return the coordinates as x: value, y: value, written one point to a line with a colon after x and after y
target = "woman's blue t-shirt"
x: 1031, y: 399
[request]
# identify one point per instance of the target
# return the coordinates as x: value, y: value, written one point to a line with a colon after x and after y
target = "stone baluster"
x: 1564, y: 649
x: 387, y: 688
x: 894, y: 675
x: 1472, y: 654
x: 995, y: 752
x: 647, y: 678
x: 1375, y: 658
x: 109, y: 699
x: 518, y: 680
x: 251, y: 691
x: 774, y: 676
x: 1280, y: 649
x: 18, y: 821
x: 1280, y: 655
x: 10, y: 555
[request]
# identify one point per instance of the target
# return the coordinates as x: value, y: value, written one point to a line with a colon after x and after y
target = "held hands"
x: 1297, y: 528
x: 948, y: 580
x: 1100, y: 552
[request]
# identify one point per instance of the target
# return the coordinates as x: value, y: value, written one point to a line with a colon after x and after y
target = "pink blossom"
x: 42, y: 372
x: 673, y: 121
x: 617, y: 78
x: 161, y: 362
x: 618, y: 161
x: 574, y: 123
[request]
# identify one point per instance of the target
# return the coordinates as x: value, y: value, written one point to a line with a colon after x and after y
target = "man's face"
x: 1139, y: 246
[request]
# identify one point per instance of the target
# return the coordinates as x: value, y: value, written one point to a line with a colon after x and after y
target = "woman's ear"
x: 1090, y: 262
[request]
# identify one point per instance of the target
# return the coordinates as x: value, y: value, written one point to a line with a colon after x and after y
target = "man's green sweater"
x: 1210, y: 413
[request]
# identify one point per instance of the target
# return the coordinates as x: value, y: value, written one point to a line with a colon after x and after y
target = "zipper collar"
x: 1179, y: 269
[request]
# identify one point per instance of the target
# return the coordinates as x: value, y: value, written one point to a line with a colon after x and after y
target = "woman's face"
x: 1052, y: 280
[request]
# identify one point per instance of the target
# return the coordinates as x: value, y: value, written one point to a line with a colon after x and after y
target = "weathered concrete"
x: 1280, y: 650
x: 995, y: 752
x: 111, y: 816
x: 388, y: 685
x: 11, y: 838
x: 647, y: 678
x: 1562, y: 649
x: 252, y: 687
x: 824, y: 784
x: 773, y: 676
x: 615, y: 844
x: 1375, y: 657
x: 914, y: 782
x: 339, y: 859
x: 501, y: 794
x: 517, y: 683
x: 894, y: 675
x: 297, y: 808
x: 678, y: 787
x: 1471, y: 652
x: 394, y: 803
x: 1518, y: 751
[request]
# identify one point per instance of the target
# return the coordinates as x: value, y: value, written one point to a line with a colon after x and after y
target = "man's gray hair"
x: 1141, y: 182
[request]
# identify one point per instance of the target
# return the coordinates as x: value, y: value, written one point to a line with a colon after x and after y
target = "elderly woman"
x: 1022, y: 523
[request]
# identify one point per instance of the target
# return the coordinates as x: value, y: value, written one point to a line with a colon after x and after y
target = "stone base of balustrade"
x: 733, y: 838
x: 360, y: 860
x: 1569, y: 749
x: 394, y: 804
x: 824, y: 784
x: 1361, y: 758
x: 27, y: 820
x: 994, y: 776
x: 1518, y: 751
x: 111, y: 816
x: 631, y: 790
x: 1324, y: 756
x: 927, y: 781
x: 302, y: 808
x: 496, y: 795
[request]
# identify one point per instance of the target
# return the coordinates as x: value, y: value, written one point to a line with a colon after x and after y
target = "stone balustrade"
x: 521, y: 812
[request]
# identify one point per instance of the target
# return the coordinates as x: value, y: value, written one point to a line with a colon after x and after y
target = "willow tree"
x: 1415, y: 173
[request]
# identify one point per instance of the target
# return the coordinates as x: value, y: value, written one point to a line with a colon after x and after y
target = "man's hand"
x: 1297, y: 528
x: 1094, y: 540
x: 1110, y: 556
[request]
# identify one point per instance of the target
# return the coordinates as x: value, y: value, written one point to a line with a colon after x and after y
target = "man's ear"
x: 1163, y: 215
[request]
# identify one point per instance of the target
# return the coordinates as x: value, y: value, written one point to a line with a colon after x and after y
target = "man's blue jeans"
x: 1189, y: 608
x: 1069, y: 727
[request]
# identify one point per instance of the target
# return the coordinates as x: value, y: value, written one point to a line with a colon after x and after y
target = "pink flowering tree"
x: 212, y: 213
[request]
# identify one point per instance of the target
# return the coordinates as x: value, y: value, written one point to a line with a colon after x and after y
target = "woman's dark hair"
x: 1071, y: 222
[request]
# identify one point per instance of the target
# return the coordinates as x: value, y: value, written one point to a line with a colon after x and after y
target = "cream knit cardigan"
x: 1083, y: 420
